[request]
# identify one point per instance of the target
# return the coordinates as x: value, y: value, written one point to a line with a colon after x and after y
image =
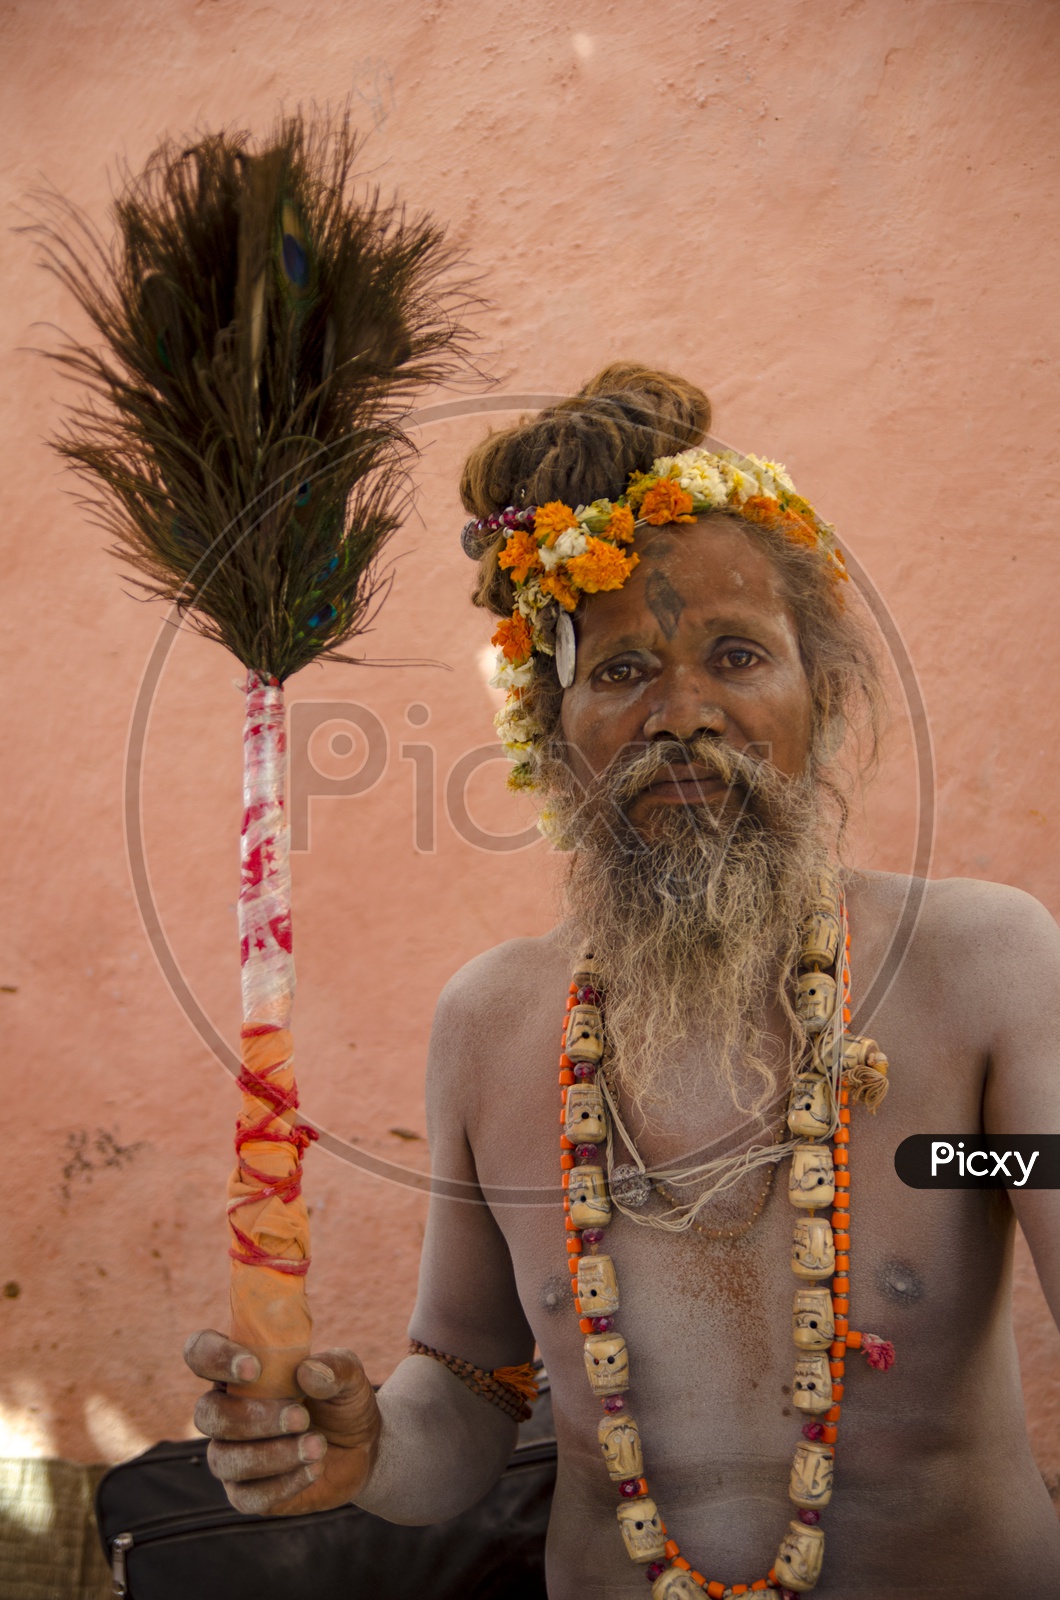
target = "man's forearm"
x: 441, y: 1447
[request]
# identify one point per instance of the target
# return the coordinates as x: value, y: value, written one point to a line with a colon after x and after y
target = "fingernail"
x: 312, y: 1447
x: 294, y: 1419
x: 324, y: 1373
x: 246, y: 1368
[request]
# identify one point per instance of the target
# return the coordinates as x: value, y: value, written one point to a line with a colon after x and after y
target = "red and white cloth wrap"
x: 267, y: 1216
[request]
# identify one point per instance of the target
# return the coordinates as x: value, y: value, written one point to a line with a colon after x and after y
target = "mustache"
x: 710, y: 759
x: 758, y: 797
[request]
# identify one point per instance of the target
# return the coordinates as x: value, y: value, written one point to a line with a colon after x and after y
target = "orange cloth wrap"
x: 270, y: 1314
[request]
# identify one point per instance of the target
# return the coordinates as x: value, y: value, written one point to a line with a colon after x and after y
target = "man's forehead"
x: 659, y: 603
x: 711, y: 552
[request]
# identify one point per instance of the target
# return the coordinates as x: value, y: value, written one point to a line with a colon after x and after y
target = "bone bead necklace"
x: 839, y: 1069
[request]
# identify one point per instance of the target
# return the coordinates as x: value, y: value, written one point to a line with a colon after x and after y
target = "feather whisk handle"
x: 267, y: 1217
x: 265, y: 944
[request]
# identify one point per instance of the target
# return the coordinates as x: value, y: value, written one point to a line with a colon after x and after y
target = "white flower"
x: 595, y: 517
x: 572, y: 542
x: 702, y: 480
x: 741, y: 485
x: 517, y: 730
x: 509, y: 676
x: 780, y: 474
x: 707, y: 477
x: 531, y: 599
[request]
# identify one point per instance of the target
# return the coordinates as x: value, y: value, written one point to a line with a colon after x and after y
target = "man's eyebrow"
x: 628, y: 641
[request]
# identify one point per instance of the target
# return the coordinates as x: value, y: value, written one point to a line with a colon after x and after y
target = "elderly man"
x: 712, y: 1239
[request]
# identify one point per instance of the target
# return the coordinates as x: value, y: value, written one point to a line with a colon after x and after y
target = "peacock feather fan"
x: 263, y: 324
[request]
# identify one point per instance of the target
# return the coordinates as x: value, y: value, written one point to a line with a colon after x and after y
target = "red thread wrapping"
x: 285, y: 1188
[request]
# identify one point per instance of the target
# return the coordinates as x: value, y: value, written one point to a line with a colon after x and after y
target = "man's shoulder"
x: 501, y: 983
x: 486, y: 1025
x: 966, y: 915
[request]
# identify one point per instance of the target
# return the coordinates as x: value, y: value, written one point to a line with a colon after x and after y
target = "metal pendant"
x: 629, y: 1186
x: 566, y: 650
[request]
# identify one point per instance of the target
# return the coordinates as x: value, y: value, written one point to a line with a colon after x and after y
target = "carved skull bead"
x: 585, y: 1122
x: 824, y: 895
x: 809, y: 1110
x: 586, y: 973
x: 798, y: 1563
x: 815, y: 1000
x: 620, y: 1441
x: 820, y: 940
x: 812, y: 1321
x: 811, y: 1390
x: 813, y: 1249
x: 642, y: 1530
x: 598, y: 1289
x: 590, y: 1206
x: 862, y: 1053
x: 812, y: 1471
x: 676, y: 1584
x: 585, y: 1034
x: 607, y: 1363
x: 811, y: 1182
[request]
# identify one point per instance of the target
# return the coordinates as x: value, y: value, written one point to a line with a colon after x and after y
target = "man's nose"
x: 685, y: 708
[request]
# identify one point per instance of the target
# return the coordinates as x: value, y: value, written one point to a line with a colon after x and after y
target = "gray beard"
x: 694, y: 922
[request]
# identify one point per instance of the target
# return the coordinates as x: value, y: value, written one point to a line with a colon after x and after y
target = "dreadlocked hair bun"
x: 580, y: 450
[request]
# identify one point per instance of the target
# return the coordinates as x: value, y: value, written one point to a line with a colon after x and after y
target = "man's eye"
x: 618, y: 672
x: 739, y: 658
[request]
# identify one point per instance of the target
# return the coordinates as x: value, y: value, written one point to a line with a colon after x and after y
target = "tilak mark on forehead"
x: 665, y: 602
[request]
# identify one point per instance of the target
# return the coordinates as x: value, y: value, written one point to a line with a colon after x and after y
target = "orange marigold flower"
x: 603, y: 566
x: 837, y: 567
x: 513, y: 636
x: 558, y: 586
x: 520, y: 556
x: 666, y: 501
x: 798, y: 530
x: 759, y: 508
x: 620, y: 526
x: 551, y: 520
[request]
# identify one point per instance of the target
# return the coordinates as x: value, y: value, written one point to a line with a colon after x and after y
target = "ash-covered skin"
x: 556, y: 1294
x: 933, y: 1452
x: 900, y: 1283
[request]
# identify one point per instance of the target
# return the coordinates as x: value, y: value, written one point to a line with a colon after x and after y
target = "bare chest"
x: 707, y: 1320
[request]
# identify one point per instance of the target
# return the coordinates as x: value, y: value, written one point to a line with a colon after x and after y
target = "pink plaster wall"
x: 842, y: 218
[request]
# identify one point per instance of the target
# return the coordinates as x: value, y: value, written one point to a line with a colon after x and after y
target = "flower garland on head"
x: 554, y: 553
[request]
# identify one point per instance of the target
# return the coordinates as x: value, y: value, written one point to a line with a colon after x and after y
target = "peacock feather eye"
x: 248, y: 381
x: 294, y: 255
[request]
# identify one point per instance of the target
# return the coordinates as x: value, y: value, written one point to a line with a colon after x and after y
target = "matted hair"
x: 585, y: 448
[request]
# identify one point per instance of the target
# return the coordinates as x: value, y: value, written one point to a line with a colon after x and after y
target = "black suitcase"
x: 169, y: 1533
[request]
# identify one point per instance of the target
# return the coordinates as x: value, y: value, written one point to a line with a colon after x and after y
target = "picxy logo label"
x: 959, y: 1161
